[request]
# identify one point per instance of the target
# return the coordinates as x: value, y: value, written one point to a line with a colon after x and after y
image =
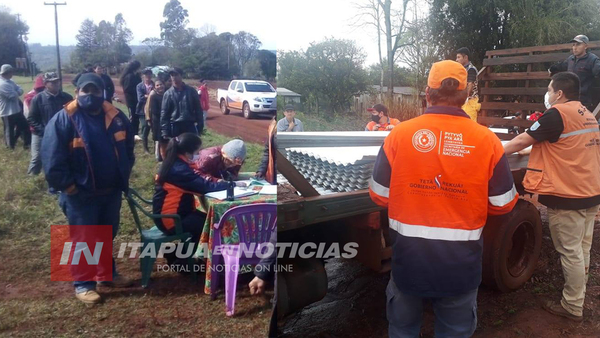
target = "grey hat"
x: 92, y: 78
x: 6, y: 68
x: 289, y: 107
x: 235, y: 148
x: 50, y: 77
x: 581, y: 38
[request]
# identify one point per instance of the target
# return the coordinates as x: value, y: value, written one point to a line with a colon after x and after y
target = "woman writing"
x: 175, y: 187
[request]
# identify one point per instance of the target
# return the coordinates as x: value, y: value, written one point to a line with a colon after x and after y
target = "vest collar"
x: 446, y: 110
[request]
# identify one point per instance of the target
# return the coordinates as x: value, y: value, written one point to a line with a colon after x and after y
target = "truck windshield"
x: 257, y: 87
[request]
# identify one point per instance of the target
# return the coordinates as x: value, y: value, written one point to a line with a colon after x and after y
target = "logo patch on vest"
x: 534, y: 126
x: 118, y: 122
x: 424, y: 140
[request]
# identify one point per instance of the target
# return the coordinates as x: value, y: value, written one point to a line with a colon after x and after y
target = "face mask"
x: 547, y: 102
x: 375, y: 118
x: 89, y: 102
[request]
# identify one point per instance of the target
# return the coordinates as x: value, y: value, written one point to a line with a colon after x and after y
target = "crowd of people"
x: 85, y: 146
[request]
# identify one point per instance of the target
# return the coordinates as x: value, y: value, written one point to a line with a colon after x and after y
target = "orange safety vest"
x: 382, y: 127
x: 441, y: 166
x: 570, y: 167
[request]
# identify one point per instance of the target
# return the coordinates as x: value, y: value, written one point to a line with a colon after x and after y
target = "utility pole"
x: 57, y: 44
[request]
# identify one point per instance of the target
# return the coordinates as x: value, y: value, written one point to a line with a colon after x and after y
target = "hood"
x: 39, y: 82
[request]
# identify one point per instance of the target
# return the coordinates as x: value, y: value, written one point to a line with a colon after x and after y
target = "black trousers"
x: 16, y: 126
x: 135, y: 120
x: 192, y: 223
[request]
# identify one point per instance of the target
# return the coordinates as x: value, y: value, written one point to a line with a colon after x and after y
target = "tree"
x: 268, y: 64
x: 11, y: 31
x: 391, y: 23
x: 502, y: 24
x: 173, y: 29
x: 246, y: 45
x: 402, y: 75
x: 87, y: 43
x: 106, y: 43
x: 328, y: 74
x: 422, y: 52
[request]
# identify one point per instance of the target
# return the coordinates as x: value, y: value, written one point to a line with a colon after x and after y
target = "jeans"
x: 454, y: 316
x: 35, y: 165
x: 85, y: 209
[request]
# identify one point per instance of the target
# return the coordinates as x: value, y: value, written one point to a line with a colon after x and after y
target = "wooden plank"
x: 515, y: 76
x: 512, y: 106
x: 511, y: 60
x: 547, y: 48
x: 514, y: 91
x: 498, y: 121
x: 294, y: 176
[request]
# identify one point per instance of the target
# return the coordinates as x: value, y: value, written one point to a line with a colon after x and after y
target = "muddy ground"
x: 355, y: 303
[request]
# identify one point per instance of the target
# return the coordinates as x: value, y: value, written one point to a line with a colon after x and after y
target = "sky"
x: 309, y: 21
x: 143, y: 17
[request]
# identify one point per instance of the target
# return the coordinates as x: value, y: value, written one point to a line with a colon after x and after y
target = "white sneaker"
x: 137, y: 138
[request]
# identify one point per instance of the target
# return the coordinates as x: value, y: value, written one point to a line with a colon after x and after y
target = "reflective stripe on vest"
x: 444, y: 234
x: 579, y: 132
x: 378, y: 188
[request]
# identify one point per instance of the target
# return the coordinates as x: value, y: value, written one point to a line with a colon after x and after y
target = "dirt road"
x: 355, y: 305
x: 232, y: 125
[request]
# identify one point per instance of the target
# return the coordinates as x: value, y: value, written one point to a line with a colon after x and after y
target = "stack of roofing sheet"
x: 339, y: 169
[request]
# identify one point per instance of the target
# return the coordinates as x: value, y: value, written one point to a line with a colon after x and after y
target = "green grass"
x: 32, y: 305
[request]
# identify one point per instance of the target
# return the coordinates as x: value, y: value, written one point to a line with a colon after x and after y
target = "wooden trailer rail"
x: 494, y: 81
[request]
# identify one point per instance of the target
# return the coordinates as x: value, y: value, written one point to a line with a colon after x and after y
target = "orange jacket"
x: 382, y: 126
x: 570, y: 167
x: 440, y: 175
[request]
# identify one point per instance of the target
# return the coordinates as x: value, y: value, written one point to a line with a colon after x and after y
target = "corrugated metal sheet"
x: 331, y: 170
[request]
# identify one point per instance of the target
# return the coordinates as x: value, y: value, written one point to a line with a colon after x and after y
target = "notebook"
x: 237, y: 193
x: 268, y: 190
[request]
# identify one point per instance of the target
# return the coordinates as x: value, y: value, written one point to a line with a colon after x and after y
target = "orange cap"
x: 447, y: 69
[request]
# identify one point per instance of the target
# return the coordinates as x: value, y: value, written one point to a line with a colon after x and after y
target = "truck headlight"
x: 258, y: 99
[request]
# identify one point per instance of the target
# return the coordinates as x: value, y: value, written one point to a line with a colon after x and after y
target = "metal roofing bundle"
x: 335, y: 169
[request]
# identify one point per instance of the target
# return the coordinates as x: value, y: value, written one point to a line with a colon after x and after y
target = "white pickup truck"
x: 250, y: 96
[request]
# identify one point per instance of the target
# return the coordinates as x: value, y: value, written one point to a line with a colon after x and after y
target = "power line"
x: 56, y: 25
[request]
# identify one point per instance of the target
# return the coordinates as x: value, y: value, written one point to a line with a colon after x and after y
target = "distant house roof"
x: 398, y: 90
x: 286, y: 92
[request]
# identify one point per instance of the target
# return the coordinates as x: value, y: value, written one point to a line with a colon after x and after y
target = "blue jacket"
x: 176, y: 194
x: 66, y: 155
x: 141, y: 97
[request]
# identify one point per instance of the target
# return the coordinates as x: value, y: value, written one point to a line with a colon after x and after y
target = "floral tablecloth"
x: 229, y: 233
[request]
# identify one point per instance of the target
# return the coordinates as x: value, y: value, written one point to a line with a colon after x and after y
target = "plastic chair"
x: 255, y: 222
x: 154, y: 236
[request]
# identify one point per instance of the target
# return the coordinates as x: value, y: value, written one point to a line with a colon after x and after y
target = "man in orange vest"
x: 564, y: 170
x: 439, y: 175
x: 380, y: 121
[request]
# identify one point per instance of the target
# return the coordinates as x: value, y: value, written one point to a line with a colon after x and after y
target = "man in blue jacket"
x: 43, y: 106
x: 87, y: 155
x: 587, y: 67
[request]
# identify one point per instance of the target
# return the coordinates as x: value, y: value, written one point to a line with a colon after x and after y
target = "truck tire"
x: 248, y: 114
x: 511, y: 247
x: 223, y: 106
